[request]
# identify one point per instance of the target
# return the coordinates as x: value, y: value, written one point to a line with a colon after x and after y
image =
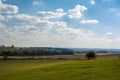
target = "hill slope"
x: 101, y: 69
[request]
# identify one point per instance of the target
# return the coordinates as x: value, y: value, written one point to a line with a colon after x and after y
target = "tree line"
x: 33, y: 51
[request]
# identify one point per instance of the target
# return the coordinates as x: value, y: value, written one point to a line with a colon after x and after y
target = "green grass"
x: 100, y: 69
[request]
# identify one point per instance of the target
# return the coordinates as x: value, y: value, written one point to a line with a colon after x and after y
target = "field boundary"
x: 77, y: 56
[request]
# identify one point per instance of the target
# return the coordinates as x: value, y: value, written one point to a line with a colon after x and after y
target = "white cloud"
x: 109, y: 33
x: 7, y: 8
x: 37, y: 3
x: 89, y: 21
x: 118, y: 14
x: 49, y: 14
x: 0, y: 1
x: 24, y: 19
x: 2, y: 17
x: 23, y: 29
x: 61, y: 24
x: 41, y: 30
x: 2, y: 26
x: 76, y: 12
x: 60, y: 10
x: 20, y: 19
x: 55, y: 34
x: 62, y: 37
x: 92, y: 2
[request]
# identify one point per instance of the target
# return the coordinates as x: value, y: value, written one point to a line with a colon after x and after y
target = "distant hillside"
x: 82, y: 50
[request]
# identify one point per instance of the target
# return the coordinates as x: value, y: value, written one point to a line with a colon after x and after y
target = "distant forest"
x: 33, y: 51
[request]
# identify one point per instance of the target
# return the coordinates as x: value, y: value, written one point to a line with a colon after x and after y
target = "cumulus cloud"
x: 76, y: 12
x: 2, y: 17
x: 41, y: 30
x: 37, y: 3
x: 2, y: 26
x: 109, y: 34
x: 92, y: 2
x: 89, y: 21
x: 49, y: 14
x: 22, y: 19
x: 56, y: 34
x: 61, y: 24
x: 7, y: 8
x: 61, y: 37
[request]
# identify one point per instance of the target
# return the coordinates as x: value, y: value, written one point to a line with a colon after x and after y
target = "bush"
x: 90, y: 55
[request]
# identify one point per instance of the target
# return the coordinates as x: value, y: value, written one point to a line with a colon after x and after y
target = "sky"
x: 60, y: 23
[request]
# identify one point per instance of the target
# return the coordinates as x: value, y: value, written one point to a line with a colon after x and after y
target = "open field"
x: 99, y: 69
x: 75, y: 56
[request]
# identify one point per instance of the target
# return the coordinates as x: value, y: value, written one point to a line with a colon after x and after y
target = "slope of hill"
x: 96, y: 50
x: 100, y: 69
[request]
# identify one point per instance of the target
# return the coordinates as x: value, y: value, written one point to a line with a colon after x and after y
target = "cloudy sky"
x: 60, y: 23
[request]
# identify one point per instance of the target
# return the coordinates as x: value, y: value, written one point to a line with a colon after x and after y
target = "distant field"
x: 75, y: 56
x: 99, y: 69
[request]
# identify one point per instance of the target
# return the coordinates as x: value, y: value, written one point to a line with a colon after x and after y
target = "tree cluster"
x: 34, y: 51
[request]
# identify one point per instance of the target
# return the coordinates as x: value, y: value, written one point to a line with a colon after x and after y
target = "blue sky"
x: 60, y: 23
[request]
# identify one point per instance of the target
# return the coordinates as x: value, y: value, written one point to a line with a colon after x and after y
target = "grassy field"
x: 100, y: 69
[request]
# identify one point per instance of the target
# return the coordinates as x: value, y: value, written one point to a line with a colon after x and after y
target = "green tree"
x: 5, y: 54
x: 90, y: 55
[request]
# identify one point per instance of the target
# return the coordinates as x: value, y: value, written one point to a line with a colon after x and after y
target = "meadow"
x: 99, y: 69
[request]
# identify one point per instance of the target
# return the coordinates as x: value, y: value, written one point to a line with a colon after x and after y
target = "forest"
x: 33, y: 51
